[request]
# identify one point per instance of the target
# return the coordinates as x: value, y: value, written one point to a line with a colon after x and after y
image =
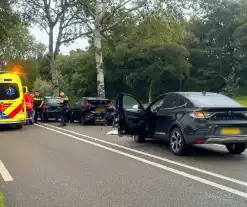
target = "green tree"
x: 219, y: 46
x: 77, y: 73
x: 232, y: 87
x: 142, y: 53
x: 8, y: 19
x: 20, y: 44
x: 52, y: 15
x: 43, y: 86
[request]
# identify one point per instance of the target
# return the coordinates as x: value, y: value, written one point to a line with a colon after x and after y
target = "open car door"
x: 131, y: 115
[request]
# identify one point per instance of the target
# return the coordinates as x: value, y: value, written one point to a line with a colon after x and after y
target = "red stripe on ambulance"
x: 15, y: 111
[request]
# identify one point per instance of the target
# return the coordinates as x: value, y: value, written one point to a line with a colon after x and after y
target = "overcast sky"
x: 43, y: 37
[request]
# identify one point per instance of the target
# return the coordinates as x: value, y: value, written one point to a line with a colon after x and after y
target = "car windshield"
x: 9, y: 91
x: 53, y: 101
x: 213, y: 100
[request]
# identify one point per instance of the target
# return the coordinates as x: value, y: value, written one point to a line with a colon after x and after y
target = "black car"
x: 51, y: 108
x: 185, y: 118
x: 89, y: 109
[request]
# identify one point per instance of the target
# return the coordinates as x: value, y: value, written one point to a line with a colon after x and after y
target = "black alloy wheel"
x: 177, y: 142
x: 139, y: 138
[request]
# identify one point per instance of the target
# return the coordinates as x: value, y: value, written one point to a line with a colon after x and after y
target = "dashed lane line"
x: 5, y: 173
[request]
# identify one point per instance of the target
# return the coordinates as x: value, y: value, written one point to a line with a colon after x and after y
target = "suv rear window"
x: 52, y: 101
x: 9, y: 91
x: 213, y: 100
x: 98, y: 102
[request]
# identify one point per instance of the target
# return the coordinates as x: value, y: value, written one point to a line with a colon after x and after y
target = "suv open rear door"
x: 131, y: 115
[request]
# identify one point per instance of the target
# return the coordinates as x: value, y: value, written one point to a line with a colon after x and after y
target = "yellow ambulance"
x: 12, y: 104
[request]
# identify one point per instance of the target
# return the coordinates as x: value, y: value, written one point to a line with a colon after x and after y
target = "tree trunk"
x: 150, y: 92
x: 54, y: 73
x: 98, y: 50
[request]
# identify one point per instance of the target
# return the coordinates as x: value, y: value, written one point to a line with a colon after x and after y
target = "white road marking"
x: 233, y: 180
x: 178, y: 172
x: 5, y: 173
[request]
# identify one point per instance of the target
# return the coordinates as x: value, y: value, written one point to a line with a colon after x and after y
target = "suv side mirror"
x: 137, y: 106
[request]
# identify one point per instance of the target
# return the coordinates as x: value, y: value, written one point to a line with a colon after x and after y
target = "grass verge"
x: 2, y: 202
x: 242, y: 100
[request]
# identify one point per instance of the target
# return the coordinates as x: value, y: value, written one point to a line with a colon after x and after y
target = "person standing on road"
x: 38, y: 102
x: 29, y: 107
x: 64, y: 106
x: 32, y: 112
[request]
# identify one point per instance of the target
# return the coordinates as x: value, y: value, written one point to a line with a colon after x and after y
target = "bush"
x: 43, y: 86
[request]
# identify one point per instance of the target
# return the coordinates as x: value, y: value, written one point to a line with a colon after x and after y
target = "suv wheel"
x: 83, y: 120
x: 236, y: 148
x: 177, y: 143
x: 139, y: 138
x: 71, y: 120
x: 45, y: 118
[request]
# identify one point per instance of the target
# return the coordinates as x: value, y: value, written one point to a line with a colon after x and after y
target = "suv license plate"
x: 230, y: 131
x: 101, y: 110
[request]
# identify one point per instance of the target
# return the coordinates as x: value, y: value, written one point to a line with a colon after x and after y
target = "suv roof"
x: 96, y: 98
x: 198, y: 93
x: 209, y: 99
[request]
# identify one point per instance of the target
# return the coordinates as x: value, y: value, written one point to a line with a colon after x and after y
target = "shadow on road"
x: 197, y: 152
x: 8, y: 128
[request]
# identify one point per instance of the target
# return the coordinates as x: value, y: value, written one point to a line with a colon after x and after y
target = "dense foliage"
x: 158, y: 50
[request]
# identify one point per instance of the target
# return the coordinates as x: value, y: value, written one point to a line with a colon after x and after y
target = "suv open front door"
x: 131, y: 114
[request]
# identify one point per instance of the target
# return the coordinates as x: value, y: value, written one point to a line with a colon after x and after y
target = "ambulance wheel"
x: 18, y: 126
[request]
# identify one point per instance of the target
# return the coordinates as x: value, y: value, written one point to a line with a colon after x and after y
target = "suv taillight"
x: 46, y: 106
x: 86, y: 104
x: 200, y: 115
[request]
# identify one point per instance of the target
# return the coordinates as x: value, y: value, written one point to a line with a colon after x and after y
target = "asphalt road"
x: 81, y: 166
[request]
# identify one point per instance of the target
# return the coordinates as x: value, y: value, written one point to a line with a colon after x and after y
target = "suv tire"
x: 236, y: 148
x: 177, y: 142
x: 45, y: 118
x: 83, y: 120
x: 139, y: 138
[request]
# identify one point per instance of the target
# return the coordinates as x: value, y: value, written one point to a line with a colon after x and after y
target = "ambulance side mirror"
x: 25, y: 90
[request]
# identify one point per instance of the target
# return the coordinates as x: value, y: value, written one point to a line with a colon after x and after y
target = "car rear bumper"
x: 226, y: 140
x: 11, y: 122
x: 52, y: 114
x: 216, y: 139
x: 95, y: 116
